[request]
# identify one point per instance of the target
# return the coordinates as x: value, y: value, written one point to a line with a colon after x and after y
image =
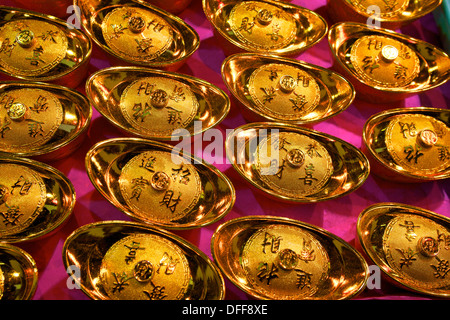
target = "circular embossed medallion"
x: 261, y: 25
x: 293, y: 164
x: 158, y: 189
x: 285, y: 262
x: 28, y: 119
x: 22, y: 198
x: 418, y: 142
x: 31, y: 47
x: 418, y: 249
x: 384, y: 62
x: 284, y: 92
x: 388, y: 8
x: 136, y: 34
x: 157, y: 106
x: 145, y: 267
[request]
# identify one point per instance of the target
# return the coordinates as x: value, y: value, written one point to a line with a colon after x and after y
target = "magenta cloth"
x: 338, y: 216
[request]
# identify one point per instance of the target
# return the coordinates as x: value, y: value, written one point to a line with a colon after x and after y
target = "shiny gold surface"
x: 152, y: 183
x: 139, y: 33
x: 383, y: 77
x: 296, y: 164
x: 18, y: 273
x: 265, y: 26
x: 284, y: 259
x: 40, y: 120
x: 35, y: 199
x: 286, y: 90
x: 410, y: 145
x: 409, y: 244
x: 131, y: 261
x: 392, y: 14
x: 40, y: 47
x: 153, y: 104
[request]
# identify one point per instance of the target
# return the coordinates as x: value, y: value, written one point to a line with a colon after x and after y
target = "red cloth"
x: 338, y: 216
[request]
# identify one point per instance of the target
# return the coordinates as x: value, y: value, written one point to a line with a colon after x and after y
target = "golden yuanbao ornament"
x: 384, y: 65
x: 411, y: 245
x: 391, y: 14
x: 152, y: 183
x: 410, y: 145
x: 286, y: 90
x: 39, y: 47
x: 18, y: 273
x: 43, y: 121
x: 295, y: 164
x: 35, y: 199
x: 265, y: 26
x: 153, y: 104
x: 283, y: 259
x: 138, y: 33
x: 131, y: 261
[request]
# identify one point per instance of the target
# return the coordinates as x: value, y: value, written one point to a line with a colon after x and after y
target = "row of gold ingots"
x: 300, y: 261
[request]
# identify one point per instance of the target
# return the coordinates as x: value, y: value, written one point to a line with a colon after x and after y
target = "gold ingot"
x: 18, y: 273
x: 285, y: 90
x: 138, y: 33
x: 153, y: 104
x: 264, y: 26
x: 295, y: 164
x: 40, y: 47
x: 386, y: 66
x: 390, y: 14
x: 35, y: 199
x: 409, y: 145
x: 155, y: 183
x: 42, y: 121
x: 411, y: 246
x: 132, y: 261
x: 284, y: 259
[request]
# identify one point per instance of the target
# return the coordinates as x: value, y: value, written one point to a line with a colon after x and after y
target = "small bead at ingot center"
x: 17, y: 111
x: 389, y: 53
x: 136, y: 24
x: 264, y: 17
x: 287, y: 84
x: 295, y: 158
x: 143, y: 271
x: 428, y: 246
x: 25, y: 38
x: 160, y: 181
x: 428, y: 137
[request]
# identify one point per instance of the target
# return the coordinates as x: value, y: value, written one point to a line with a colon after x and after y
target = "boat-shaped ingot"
x: 120, y: 260
x: 137, y: 33
x: 390, y: 14
x: 35, y: 199
x: 409, y: 145
x: 272, y: 27
x: 174, y: 6
x: 158, y: 184
x: 153, y: 104
x: 283, y: 259
x: 411, y: 246
x: 386, y: 66
x: 40, y: 47
x: 291, y: 163
x: 285, y: 90
x: 42, y: 121
x: 18, y: 273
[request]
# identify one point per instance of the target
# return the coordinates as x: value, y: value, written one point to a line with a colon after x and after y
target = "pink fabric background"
x: 337, y: 216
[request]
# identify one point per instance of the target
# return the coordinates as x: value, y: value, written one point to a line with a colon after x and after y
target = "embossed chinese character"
x: 247, y: 25
x: 49, y: 35
x: 117, y: 30
x: 303, y: 279
x: 40, y: 105
x: 36, y: 58
x: 146, y: 87
x: 35, y: 128
x: 143, y: 45
x: 141, y: 112
x: 303, y: 79
x: 275, y: 36
x: 138, y: 185
x: 120, y: 282
x: 11, y: 216
x: 280, y: 170
x: 443, y: 152
x: 7, y: 47
x: 298, y: 102
x: 169, y: 201
x: 445, y: 238
x: 177, y: 94
x: 272, y: 241
x: 158, y: 293
x: 441, y: 269
x: 23, y: 185
x: 370, y: 64
x: 267, y: 274
x: 308, y: 179
x: 413, y: 153
x: 377, y: 44
x: 169, y: 263
x: 174, y: 116
x: 400, y: 72
x: 133, y: 248
x: 269, y: 94
x: 273, y: 73
x: 5, y: 126
x: 410, y: 233
x: 181, y: 174
x: 408, y: 256
x: 307, y: 252
x: 157, y: 27
x: 312, y: 152
x: 408, y: 128
x: 147, y: 163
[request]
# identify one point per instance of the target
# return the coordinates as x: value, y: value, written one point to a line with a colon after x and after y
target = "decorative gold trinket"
x: 390, y: 14
x: 43, y: 121
x: 409, y: 145
x: 410, y: 245
x: 265, y: 26
x: 285, y: 90
x: 156, y: 183
x: 384, y: 65
x: 296, y: 164
x: 153, y: 104
x: 39, y: 47
x: 131, y: 261
x: 35, y: 199
x: 139, y: 33
x: 284, y: 259
x: 18, y: 273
